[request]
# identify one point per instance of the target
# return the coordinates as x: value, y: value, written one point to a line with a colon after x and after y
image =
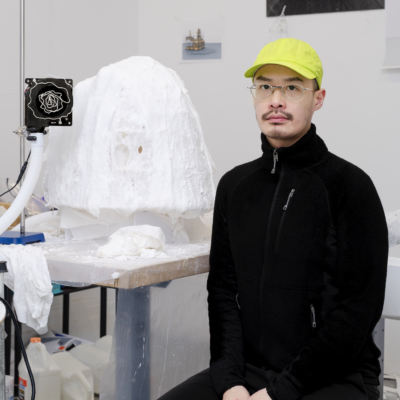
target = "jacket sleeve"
x: 227, y: 364
x: 362, y: 244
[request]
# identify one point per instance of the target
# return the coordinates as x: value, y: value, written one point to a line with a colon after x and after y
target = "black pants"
x: 200, y: 387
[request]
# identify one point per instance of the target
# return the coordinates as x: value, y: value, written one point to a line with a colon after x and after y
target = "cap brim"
x: 296, y: 67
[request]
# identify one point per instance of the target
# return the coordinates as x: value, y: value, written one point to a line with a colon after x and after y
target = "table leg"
x: 133, y: 344
x: 8, y: 298
x: 103, y: 311
x: 161, y: 337
x: 17, y: 359
x: 65, y: 321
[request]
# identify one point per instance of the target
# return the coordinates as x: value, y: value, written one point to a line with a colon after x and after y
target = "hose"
x: 28, y: 186
x: 21, y: 344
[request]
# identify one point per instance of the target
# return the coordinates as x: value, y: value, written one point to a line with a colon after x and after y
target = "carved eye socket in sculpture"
x: 140, y: 149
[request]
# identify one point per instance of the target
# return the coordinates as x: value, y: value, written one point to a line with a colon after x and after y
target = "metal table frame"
x: 67, y: 291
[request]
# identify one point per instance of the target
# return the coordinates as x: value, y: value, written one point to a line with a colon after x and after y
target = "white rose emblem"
x: 51, y: 102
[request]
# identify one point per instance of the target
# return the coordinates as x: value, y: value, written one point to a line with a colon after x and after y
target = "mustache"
x: 285, y: 114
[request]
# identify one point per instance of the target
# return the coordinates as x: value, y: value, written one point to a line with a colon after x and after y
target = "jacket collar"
x: 307, y: 151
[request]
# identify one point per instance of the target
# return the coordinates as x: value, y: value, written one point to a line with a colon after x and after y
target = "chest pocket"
x: 299, y: 228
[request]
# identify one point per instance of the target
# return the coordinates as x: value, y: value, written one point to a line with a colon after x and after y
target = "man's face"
x: 292, y: 117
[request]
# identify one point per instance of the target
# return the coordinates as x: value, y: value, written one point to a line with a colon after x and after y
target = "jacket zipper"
x: 314, y: 323
x: 266, y: 245
x: 275, y: 160
x: 287, y: 203
x: 237, y: 294
x: 281, y: 221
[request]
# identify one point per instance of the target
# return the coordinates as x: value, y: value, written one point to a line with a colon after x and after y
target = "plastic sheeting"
x: 393, y: 223
x: 161, y: 338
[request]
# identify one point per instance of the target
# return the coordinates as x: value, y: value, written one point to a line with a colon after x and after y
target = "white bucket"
x: 104, y: 343
x: 45, y: 372
x: 76, y: 378
x: 95, y: 359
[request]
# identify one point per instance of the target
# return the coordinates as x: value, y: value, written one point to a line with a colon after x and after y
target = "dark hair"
x: 316, y: 87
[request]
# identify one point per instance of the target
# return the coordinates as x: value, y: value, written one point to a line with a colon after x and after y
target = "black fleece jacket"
x: 298, y: 267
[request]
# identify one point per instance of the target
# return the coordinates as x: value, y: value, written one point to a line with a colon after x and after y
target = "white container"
x: 76, y: 378
x: 95, y: 359
x: 9, y: 387
x: 104, y: 343
x: 45, y: 372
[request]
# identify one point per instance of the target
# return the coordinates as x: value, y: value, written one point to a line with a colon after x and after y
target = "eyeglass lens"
x: 292, y: 92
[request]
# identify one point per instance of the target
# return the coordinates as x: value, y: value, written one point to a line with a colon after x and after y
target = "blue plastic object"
x: 56, y: 288
x: 14, y: 237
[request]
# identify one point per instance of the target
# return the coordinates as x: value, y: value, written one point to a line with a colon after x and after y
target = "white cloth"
x: 29, y: 278
x: 46, y: 222
x: 133, y: 241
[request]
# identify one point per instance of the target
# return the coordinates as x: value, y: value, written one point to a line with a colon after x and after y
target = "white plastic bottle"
x: 9, y: 387
x: 45, y: 372
x: 95, y: 359
x: 104, y: 343
x: 76, y: 378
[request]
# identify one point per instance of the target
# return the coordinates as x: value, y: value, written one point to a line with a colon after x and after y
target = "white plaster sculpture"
x: 136, y: 144
x: 134, y: 241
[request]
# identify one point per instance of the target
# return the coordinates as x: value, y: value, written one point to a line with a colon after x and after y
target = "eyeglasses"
x: 290, y: 91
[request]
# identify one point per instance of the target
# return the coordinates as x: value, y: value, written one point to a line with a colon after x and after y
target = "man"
x: 298, y: 255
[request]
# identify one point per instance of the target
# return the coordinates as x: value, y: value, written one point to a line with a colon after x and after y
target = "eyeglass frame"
x: 281, y: 89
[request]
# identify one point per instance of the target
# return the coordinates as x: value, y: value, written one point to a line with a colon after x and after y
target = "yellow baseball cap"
x: 291, y: 53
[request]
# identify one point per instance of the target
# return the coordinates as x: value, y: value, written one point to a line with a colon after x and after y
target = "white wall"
x: 359, y: 120
x: 72, y: 39
x: 66, y: 38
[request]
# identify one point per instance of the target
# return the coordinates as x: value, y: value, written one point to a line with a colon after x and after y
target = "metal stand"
x: 22, y: 94
x: 65, y: 293
x: 3, y: 268
x: 7, y: 326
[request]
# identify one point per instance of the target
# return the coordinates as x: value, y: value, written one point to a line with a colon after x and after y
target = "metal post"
x: 3, y: 269
x: 65, y: 320
x: 116, y: 300
x: 378, y: 335
x: 103, y: 311
x: 17, y: 359
x: 22, y: 95
x: 7, y: 327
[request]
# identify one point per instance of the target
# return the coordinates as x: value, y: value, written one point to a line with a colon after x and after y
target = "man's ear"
x: 320, y: 99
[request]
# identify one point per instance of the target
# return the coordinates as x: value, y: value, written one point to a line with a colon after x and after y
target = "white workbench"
x: 75, y: 263
x: 161, y: 333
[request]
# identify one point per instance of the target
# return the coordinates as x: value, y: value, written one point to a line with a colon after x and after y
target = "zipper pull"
x: 290, y: 196
x: 314, y: 324
x: 237, y: 300
x: 275, y: 160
